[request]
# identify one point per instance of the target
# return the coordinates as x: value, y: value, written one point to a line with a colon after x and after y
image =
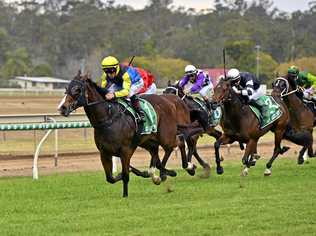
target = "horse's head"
x: 76, y: 95
x: 282, y: 87
x: 222, y: 91
x: 174, y: 89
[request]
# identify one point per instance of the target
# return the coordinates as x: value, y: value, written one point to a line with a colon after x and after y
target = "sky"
x: 284, y: 5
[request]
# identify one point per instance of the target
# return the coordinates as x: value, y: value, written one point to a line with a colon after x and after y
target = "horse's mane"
x: 292, y: 82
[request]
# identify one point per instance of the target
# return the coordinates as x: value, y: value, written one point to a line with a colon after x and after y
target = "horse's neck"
x: 233, y: 110
x: 98, y: 112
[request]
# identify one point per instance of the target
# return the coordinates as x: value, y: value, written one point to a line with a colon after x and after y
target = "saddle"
x: 214, y: 116
x: 151, y: 122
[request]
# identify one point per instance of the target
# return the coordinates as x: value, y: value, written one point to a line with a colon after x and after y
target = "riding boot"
x: 256, y: 105
x: 208, y: 105
x: 137, y: 108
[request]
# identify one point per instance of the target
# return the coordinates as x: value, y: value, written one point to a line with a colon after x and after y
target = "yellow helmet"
x: 110, y: 62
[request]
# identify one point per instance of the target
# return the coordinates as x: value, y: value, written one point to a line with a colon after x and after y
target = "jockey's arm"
x: 183, y: 81
x: 198, y: 84
x: 249, y: 90
x: 127, y: 82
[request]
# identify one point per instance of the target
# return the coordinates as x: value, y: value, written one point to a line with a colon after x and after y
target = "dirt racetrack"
x: 22, y: 165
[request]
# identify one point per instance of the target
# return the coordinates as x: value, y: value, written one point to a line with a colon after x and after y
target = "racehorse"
x: 199, y: 114
x: 301, y: 117
x: 239, y: 123
x: 116, y: 132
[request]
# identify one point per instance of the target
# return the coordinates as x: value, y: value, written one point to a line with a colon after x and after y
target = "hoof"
x: 163, y: 177
x: 191, y: 169
x: 267, y: 172
x: 171, y: 173
x: 300, y: 161
x: 256, y: 156
x: 284, y: 149
x: 191, y: 172
x: 219, y: 170
x: 252, y: 162
x: 245, y: 171
x: 156, y: 180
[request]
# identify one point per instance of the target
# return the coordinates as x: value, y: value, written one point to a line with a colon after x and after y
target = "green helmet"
x: 293, y: 70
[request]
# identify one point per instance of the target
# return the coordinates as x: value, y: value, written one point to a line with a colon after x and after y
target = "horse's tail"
x: 189, y: 130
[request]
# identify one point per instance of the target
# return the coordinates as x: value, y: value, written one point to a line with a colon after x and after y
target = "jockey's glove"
x: 246, y: 92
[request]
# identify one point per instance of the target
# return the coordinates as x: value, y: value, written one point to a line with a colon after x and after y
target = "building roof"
x: 42, y: 79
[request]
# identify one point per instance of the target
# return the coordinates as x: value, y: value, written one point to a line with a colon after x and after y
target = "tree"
x: 17, y: 63
x: 42, y: 70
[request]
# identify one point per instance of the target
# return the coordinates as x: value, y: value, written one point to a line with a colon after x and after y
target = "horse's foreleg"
x: 107, y: 166
x: 250, y: 149
x: 125, y: 173
x: 277, y: 150
x: 188, y: 166
x: 221, y: 141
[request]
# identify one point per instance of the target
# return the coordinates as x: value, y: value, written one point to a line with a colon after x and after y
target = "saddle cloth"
x: 271, y: 110
x: 150, y: 124
x: 214, y: 117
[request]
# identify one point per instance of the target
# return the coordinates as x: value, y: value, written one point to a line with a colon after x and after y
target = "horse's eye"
x: 75, y: 90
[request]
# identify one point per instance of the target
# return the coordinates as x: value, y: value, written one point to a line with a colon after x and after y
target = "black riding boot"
x: 256, y: 105
x: 136, y: 106
x: 208, y: 105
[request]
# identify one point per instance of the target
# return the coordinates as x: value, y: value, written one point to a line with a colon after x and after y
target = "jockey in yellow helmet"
x: 121, y: 81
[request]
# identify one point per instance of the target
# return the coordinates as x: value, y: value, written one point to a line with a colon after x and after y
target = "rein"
x: 105, y: 123
x: 285, y: 92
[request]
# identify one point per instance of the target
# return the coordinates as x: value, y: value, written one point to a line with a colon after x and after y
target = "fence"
x: 48, y: 122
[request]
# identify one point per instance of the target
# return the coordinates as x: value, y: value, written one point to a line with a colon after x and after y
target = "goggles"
x: 110, y: 70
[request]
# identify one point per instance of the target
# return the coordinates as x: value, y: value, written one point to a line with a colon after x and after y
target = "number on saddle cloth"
x: 270, y: 110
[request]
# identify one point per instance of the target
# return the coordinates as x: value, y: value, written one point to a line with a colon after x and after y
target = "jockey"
x: 148, y: 78
x: 247, y: 85
x: 305, y: 89
x: 308, y: 82
x: 201, y: 81
x: 122, y: 81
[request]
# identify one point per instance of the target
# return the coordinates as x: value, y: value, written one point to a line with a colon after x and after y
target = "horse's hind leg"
x: 163, y: 170
x: 155, y: 161
x: 137, y: 172
x: 188, y: 166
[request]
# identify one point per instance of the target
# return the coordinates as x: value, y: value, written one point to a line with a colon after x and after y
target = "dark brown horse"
x: 197, y: 113
x: 116, y: 132
x: 301, y: 117
x: 240, y: 124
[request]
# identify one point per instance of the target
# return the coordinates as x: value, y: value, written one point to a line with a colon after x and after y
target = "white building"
x: 44, y: 83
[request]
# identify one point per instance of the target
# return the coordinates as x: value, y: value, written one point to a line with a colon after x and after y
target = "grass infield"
x: 83, y: 204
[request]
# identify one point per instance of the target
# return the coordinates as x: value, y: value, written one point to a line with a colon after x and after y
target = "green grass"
x: 83, y: 204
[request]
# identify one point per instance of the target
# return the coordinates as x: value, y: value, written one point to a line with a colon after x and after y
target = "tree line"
x: 56, y: 37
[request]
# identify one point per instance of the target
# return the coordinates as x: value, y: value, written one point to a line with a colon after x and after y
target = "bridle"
x: 176, y: 91
x: 82, y: 100
x: 285, y: 92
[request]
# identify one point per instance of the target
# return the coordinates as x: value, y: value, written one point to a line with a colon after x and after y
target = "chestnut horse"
x: 116, y: 132
x: 301, y: 117
x: 240, y: 124
x: 197, y: 113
